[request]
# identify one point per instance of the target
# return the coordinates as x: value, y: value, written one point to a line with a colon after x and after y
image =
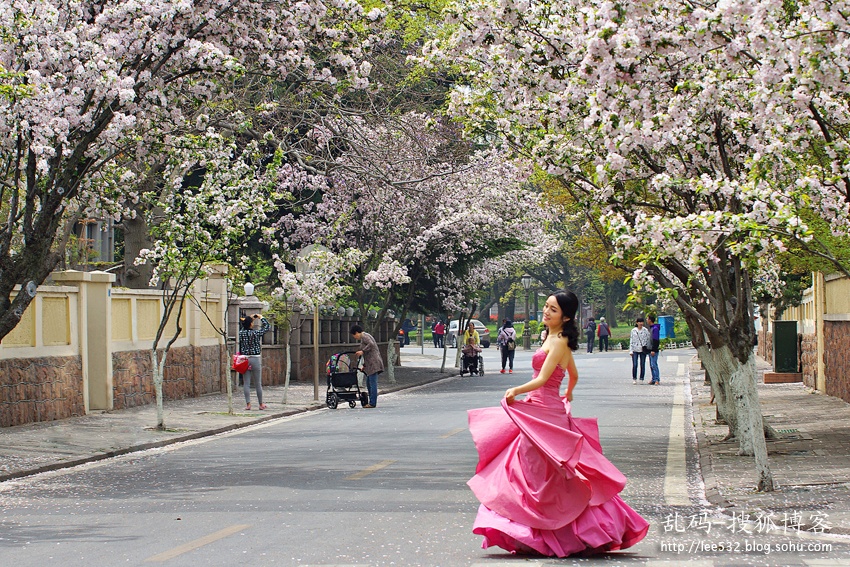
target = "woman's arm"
x: 264, y: 326
x: 572, y: 371
x: 557, y: 350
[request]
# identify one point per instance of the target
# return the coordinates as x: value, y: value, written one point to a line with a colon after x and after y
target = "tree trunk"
x: 610, y: 306
x: 229, y: 381
x: 136, y: 239
x: 510, y: 309
x: 288, y: 370
x: 734, y: 385
x: 158, y: 369
x: 445, y: 342
x: 391, y: 360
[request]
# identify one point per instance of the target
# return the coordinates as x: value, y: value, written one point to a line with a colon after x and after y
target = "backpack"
x: 510, y: 344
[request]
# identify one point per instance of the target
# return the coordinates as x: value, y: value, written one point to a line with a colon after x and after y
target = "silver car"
x: 483, y: 333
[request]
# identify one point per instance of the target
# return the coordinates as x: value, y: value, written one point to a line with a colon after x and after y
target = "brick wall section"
x: 809, y: 360
x: 274, y: 366
x: 836, y: 358
x: 41, y: 389
x: 189, y: 372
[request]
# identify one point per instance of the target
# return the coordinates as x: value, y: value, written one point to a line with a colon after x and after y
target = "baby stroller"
x: 471, y: 360
x: 342, y: 381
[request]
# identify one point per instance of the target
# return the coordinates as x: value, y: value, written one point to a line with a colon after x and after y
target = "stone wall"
x: 41, y: 389
x: 836, y: 358
x: 274, y: 365
x: 189, y: 372
x: 809, y: 359
x: 765, y: 346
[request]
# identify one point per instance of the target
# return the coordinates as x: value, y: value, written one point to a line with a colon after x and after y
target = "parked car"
x: 483, y: 333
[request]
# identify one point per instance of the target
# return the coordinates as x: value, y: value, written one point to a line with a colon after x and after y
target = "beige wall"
x: 45, y: 326
x: 837, y: 296
x: 84, y: 322
x: 826, y: 302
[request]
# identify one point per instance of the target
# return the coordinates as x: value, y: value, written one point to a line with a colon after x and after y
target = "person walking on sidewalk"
x: 439, y: 333
x: 654, y: 350
x: 372, y: 362
x: 251, y: 345
x: 639, y: 344
x: 590, y: 332
x: 603, y: 332
x: 507, y: 344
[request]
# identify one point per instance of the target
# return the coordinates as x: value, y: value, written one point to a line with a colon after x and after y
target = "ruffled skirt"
x: 544, y: 485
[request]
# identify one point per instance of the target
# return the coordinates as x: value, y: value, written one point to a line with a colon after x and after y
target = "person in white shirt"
x: 640, y: 341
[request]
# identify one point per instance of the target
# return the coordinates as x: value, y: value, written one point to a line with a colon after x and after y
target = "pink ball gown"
x: 543, y: 483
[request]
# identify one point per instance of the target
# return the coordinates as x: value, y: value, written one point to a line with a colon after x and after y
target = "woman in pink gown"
x: 543, y: 483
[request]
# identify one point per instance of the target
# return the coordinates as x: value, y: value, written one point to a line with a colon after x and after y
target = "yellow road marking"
x: 369, y: 470
x: 452, y: 432
x: 200, y: 542
x: 676, y: 473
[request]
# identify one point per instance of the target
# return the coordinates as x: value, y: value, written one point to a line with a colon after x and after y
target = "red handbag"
x: 240, y: 363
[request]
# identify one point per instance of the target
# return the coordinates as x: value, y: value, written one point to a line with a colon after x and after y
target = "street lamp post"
x: 526, y: 333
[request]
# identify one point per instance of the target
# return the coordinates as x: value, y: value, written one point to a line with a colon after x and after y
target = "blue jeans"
x: 653, y: 367
x: 635, y: 357
x: 372, y: 388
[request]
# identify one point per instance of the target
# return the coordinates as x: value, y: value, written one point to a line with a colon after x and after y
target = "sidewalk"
x: 810, y: 459
x: 40, y: 447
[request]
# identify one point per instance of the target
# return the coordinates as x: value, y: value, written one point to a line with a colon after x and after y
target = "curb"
x: 706, y: 463
x: 153, y: 444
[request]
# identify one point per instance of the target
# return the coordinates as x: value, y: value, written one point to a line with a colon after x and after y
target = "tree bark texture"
x: 734, y: 385
x: 136, y: 238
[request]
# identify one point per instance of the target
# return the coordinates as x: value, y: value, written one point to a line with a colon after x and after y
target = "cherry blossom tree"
x: 406, y: 209
x: 94, y: 91
x: 195, y: 224
x: 700, y: 133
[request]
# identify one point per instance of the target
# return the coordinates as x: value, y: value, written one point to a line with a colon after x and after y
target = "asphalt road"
x: 379, y: 487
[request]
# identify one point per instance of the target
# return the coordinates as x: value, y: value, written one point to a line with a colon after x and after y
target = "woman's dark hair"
x: 247, y: 322
x: 568, y: 302
x: 508, y: 324
x: 356, y: 329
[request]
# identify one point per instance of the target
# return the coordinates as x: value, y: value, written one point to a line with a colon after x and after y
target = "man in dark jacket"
x: 590, y: 332
x: 655, y: 332
x: 372, y: 362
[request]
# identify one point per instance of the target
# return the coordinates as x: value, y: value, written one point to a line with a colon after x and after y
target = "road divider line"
x: 195, y: 544
x: 369, y: 470
x: 453, y: 432
x: 676, y: 473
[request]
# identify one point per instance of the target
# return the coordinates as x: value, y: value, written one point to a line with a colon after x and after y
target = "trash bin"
x: 666, y: 331
x: 785, y: 346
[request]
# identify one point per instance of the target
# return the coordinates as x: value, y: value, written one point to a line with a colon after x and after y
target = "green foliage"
x: 280, y: 313
x: 11, y: 86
